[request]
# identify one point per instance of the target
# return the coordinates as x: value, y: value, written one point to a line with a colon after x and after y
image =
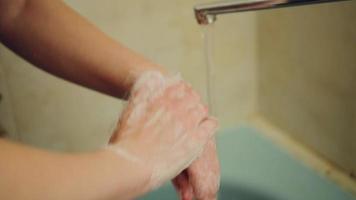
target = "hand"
x: 164, y: 127
x: 202, y: 178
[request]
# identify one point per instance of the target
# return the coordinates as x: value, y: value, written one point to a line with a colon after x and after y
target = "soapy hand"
x: 201, y: 179
x: 164, y: 126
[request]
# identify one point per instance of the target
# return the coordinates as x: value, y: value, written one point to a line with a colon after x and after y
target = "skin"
x: 30, y: 173
x: 56, y: 39
x: 185, y: 111
x: 202, y: 179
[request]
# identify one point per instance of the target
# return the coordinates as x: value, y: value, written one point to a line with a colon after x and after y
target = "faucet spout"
x: 206, y: 13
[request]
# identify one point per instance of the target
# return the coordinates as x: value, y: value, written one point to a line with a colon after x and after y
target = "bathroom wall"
x: 307, y: 76
x: 7, y: 121
x: 53, y: 113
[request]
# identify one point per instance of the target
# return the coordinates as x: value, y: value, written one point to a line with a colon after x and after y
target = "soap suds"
x: 148, y: 88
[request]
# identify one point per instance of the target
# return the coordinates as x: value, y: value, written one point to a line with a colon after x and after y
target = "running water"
x: 208, y: 36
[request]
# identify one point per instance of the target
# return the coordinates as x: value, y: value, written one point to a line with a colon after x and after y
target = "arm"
x: 28, y: 173
x: 145, y: 156
x: 53, y: 37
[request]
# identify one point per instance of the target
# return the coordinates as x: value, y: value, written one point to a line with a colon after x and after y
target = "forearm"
x: 27, y: 173
x: 55, y: 38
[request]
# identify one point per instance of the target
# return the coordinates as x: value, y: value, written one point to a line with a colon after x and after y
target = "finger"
x: 204, y: 173
x: 183, y: 187
x: 207, y: 129
x: 196, y: 115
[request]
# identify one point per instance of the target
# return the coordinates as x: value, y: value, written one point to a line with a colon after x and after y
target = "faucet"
x: 206, y: 13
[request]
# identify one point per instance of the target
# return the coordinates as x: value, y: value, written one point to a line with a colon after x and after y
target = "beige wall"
x: 307, y: 76
x: 55, y: 114
x: 52, y: 113
x: 354, y: 142
x: 353, y: 156
x: 7, y: 122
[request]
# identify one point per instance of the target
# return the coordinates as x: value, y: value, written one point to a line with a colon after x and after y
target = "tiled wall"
x: 55, y: 114
x: 307, y: 76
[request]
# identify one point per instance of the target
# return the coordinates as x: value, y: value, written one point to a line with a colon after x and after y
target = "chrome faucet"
x: 206, y: 13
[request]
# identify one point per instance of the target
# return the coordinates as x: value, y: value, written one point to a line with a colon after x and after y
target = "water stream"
x: 208, y: 36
